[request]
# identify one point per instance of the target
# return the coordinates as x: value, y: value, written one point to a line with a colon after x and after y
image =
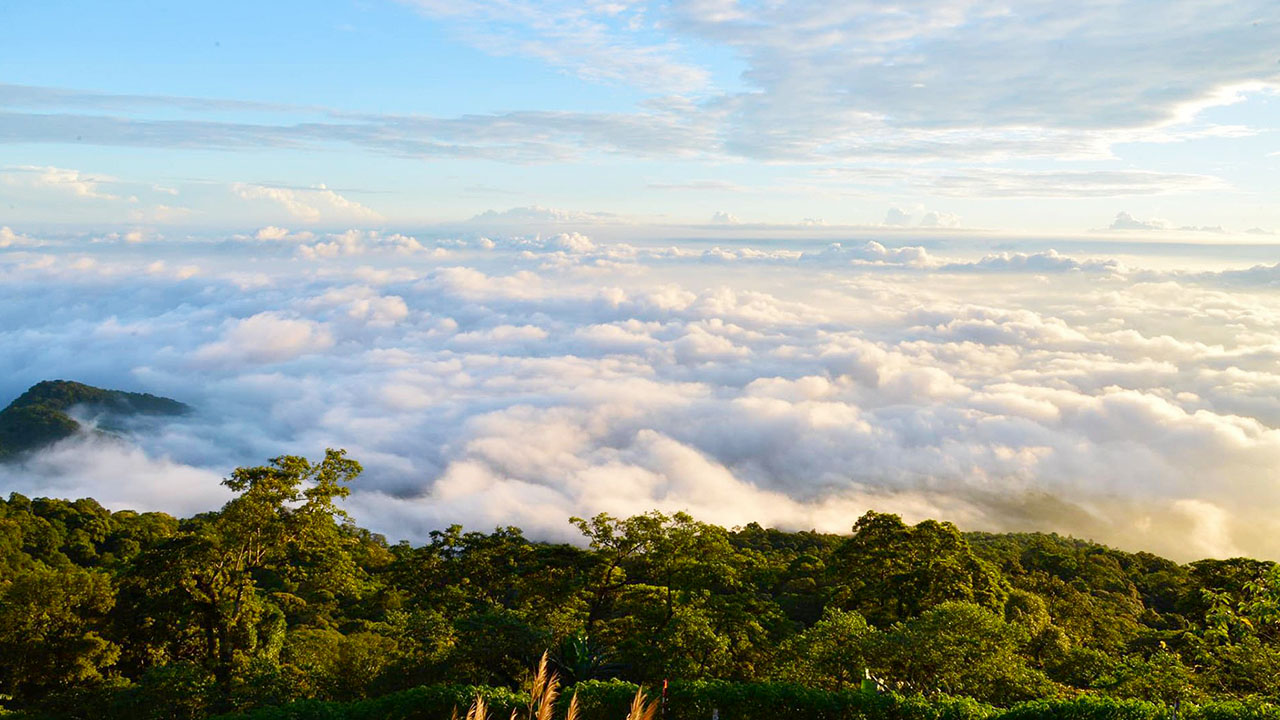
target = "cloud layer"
x: 522, y: 379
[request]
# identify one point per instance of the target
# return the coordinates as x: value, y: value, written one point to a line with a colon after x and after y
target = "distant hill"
x: 39, y: 416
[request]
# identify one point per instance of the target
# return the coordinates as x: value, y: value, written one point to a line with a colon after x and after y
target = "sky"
x: 1022, y: 117
x: 1014, y: 265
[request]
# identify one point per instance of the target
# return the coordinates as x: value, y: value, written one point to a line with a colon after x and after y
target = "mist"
x: 1121, y: 393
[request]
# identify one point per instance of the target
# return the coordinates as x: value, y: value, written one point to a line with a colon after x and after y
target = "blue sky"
x: 1025, y: 117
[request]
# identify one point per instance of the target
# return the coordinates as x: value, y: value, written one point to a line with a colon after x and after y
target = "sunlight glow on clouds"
x: 308, y: 204
x: 519, y: 380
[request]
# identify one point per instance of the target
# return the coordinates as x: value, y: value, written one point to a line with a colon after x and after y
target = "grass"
x: 544, y: 690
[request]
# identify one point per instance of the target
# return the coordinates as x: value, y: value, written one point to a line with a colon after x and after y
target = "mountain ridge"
x: 39, y: 416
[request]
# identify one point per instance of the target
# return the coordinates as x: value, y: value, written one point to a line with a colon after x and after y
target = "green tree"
x: 889, y: 571
x: 50, y: 623
x: 1162, y: 677
x: 831, y: 654
x: 281, y: 533
x: 673, y: 595
x: 959, y: 649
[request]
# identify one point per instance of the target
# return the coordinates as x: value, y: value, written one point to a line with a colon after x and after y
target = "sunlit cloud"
x: 509, y: 381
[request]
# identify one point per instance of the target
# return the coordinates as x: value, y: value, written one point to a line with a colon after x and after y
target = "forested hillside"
x: 41, y: 416
x: 278, y: 596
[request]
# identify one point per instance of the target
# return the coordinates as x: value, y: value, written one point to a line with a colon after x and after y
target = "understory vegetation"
x: 278, y: 607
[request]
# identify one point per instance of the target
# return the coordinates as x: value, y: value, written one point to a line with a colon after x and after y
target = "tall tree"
x: 277, y: 543
x: 889, y: 571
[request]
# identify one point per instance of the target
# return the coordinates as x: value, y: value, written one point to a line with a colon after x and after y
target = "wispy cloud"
x: 1000, y: 182
x: 62, y: 180
x: 534, y: 215
x: 310, y: 205
x: 1026, y: 65
x: 710, y: 185
x: 506, y: 137
x: 598, y: 41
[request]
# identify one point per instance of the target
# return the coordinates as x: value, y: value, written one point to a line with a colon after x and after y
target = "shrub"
x: 429, y: 702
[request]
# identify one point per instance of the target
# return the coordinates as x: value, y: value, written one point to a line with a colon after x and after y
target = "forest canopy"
x: 279, y: 596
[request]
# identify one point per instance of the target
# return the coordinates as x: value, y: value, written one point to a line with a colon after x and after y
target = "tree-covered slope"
x: 40, y: 415
x: 278, y: 601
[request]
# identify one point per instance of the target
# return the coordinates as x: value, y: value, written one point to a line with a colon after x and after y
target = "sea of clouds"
x: 1133, y: 399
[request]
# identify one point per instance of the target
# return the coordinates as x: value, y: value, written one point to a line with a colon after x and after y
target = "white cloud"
x: 160, y: 213
x: 536, y: 215
x: 318, y: 204
x: 1125, y: 221
x: 571, y: 242
x: 907, y: 217
x: 922, y: 66
x: 266, y: 337
x: 870, y: 252
x: 995, y: 182
x: 897, y: 216
x: 949, y: 79
x: 271, y: 232
x: 9, y: 238
x: 1048, y: 261
x: 1018, y: 389
x: 359, y: 242
x: 603, y: 42
x: 937, y: 219
x: 61, y: 180
x: 83, y: 465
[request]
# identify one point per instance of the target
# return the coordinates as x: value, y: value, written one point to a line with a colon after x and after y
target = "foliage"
x: 833, y: 653
x: 47, y: 630
x: 40, y: 415
x: 959, y: 649
x: 889, y: 571
x: 277, y: 606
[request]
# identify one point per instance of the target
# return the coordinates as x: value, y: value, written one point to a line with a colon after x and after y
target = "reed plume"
x: 641, y: 710
x: 573, y: 711
x: 479, y: 710
x: 544, y: 691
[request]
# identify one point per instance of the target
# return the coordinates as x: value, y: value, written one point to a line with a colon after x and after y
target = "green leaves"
x: 50, y: 630
x: 39, y: 416
x: 833, y: 653
x: 277, y: 596
x: 890, y: 572
x: 959, y: 649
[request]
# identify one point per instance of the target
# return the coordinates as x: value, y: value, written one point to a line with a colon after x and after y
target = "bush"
x: 429, y: 702
x: 1234, y: 710
x: 1087, y: 707
x: 601, y: 698
x: 609, y: 700
x: 696, y: 700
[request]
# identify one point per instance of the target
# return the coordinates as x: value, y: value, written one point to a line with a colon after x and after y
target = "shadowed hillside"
x: 40, y: 415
